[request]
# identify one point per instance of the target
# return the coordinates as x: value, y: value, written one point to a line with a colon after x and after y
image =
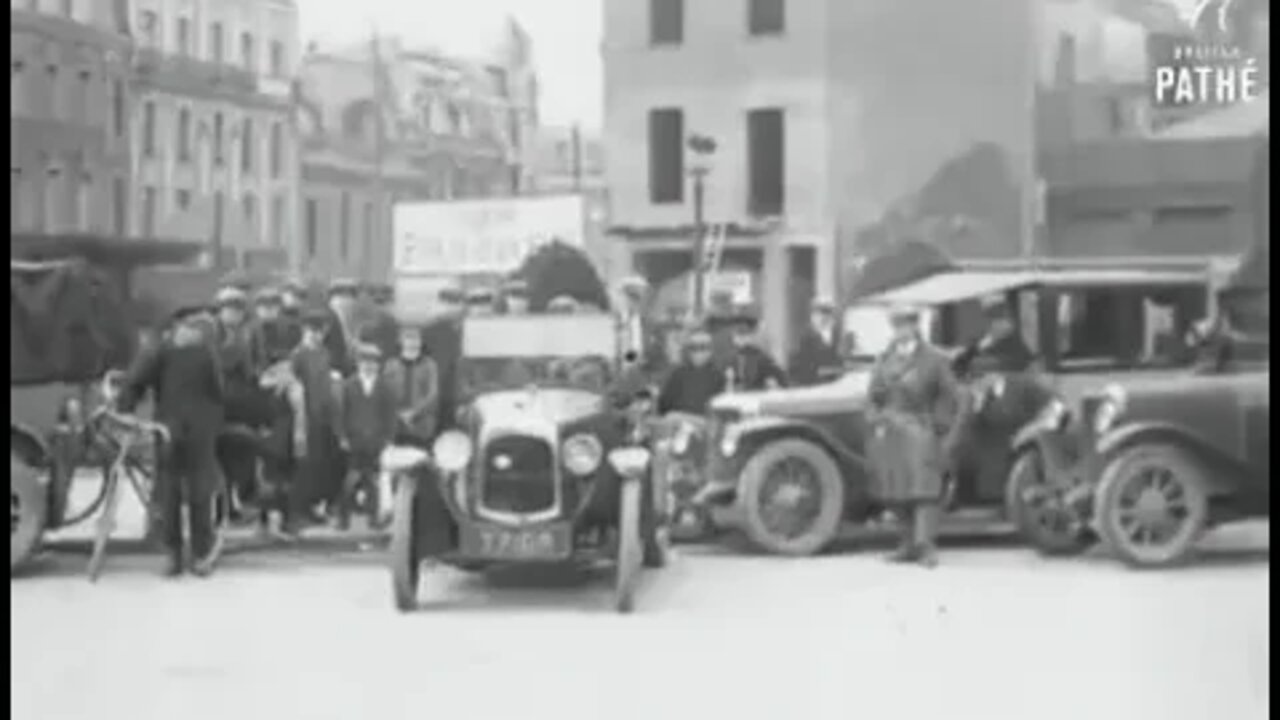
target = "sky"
x: 566, y: 39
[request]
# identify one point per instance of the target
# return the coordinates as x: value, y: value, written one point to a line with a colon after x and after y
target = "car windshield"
x: 869, y: 332
x: 506, y: 351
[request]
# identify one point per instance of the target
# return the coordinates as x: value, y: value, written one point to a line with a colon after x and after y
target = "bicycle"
x: 124, y: 436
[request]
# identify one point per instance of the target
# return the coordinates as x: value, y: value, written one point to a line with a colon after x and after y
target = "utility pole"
x: 1032, y: 196
x: 576, y: 140
x: 702, y: 148
x: 379, y: 153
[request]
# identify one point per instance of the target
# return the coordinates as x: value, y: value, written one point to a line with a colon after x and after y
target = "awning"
x: 955, y: 286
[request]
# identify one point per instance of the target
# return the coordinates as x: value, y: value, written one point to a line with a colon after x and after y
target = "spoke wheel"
x: 630, y: 546
x: 1151, y: 505
x: 27, y: 511
x: 792, y: 496
x: 1038, y: 510
x: 406, y: 566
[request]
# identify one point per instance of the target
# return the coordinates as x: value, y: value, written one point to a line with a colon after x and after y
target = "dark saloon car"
x: 546, y: 461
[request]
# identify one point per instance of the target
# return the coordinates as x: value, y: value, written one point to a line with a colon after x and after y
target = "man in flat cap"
x: 381, y: 328
x: 317, y: 477
x: 369, y: 421
x: 817, y: 357
x: 516, y: 296
x: 242, y: 355
x: 691, y: 385
x: 913, y: 397
x: 340, y: 335
x: 752, y: 367
x: 279, y: 336
x: 182, y: 374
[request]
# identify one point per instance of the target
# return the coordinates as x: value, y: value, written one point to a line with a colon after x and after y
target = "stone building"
x: 214, y: 127
x: 69, y: 106
x: 384, y: 122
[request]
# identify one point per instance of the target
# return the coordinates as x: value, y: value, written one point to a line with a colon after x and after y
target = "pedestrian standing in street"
x: 752, y: 367
x: 340, y: 336
x: 241, y: 357
x: 381, y: 329
x: 913, y: 396
x: 293, y: 302
x: 279, y: 336
x: 414, y: 378
x: 369, y: 417
x: 182, y: 374
x: 317, y: 480
x: 817, y: 357
x: 691, y: 385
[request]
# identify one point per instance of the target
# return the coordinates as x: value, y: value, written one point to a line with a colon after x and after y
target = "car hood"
x: 838, y: 396
x: 556, y: 406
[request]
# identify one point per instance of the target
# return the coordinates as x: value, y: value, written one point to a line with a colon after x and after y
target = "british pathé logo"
x: 1186, y: 73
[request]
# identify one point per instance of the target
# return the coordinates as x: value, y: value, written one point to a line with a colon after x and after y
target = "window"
x: 249, y: 208
x: 766, y: 17
x: 666, y: 22
x: 119, y: 118
x: 149, y: 27
x: 1115, y: 115
x: 367, y: 233
x: 81, y: 107
x: 246, y: 51
x: 277, y: 220
x: 277, y: 150
x: 82, y: 205
x: 246, y: 146
x: 184, y: 135
x: 55, y: 106
x: 119, y: 206
x: 182, y: 198
x: 219, y: 215
x: 766, y: 162
x: 277, y: 58
x: 666, y: 155
x: 184, y: 36
x: 1101, y: 328
x: 149, y: 128
x: 52, y: 199
x: 344, y: 227
x: 312, y: 229
x: 149, y: 209
x: 218, y: 123
x: 217, y: 43
x: 17, y: 204
x: 17, y: 88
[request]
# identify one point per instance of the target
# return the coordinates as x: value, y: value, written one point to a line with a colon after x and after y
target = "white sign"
x: 735, y: 282
x: 477, y: 236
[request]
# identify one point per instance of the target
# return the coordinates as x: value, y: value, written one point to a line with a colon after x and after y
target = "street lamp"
x: 702, y: 148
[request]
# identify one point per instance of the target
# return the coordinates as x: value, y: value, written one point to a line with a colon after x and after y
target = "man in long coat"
x: 381, y: 329
x: 340, y: 336
x: 818, y: 353
x: 182, y: 372
x: 242, y: 357
x: 913, y: 396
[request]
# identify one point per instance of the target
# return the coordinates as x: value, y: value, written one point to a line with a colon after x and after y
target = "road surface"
x: 995, y: 632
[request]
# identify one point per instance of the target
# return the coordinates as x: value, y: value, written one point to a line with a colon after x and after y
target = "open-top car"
x: 788, y: 467
x: 545, y: 461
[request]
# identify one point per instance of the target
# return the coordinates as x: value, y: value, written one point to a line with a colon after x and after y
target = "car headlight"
x: 1112, y: 405
x: 1055, y: 415
x: 402, y: 458
x: 452, y: 450
x: 729, y: 441
x: 629, y: 460
x: 582, y: 454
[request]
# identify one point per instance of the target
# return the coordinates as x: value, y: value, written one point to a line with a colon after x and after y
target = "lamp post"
x: 702, y: 148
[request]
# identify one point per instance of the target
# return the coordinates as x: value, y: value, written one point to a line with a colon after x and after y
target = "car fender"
x: 755, y: 432
x: 1031, y: 434
x: 1131, y: 434
x: 27, y: 442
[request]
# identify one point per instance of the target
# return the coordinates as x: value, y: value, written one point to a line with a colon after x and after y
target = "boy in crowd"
x: 414, y: 379
x: 316, y: 477
x: 369, y: 418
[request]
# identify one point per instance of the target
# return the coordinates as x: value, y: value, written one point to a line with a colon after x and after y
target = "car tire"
x: 1048, y: 531
x: 1119, y: 479
x: 406, y: 566
x: 630, y: 546
x: 829, y: 483
x: 28, y: 511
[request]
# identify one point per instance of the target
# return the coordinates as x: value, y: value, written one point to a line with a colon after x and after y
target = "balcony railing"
x: 157, y: 66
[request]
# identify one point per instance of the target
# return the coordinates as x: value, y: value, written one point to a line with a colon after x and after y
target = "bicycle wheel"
x: 106, y: 523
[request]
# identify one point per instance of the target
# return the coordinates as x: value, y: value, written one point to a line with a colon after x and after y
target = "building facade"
x: 569, y: 160
x: 69, y: 108
x: 826, y: 118
x: 214, y: 129
x: 383, y: 122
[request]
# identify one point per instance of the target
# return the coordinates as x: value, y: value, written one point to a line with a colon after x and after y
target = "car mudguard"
x: 753, y: 432
x: 24, y: 440
x: 1139, y: 432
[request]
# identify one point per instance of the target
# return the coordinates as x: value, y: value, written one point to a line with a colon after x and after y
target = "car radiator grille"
x: 525, y: 481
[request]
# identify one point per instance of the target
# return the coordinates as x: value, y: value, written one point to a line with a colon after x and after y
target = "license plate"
x: 497, y: 543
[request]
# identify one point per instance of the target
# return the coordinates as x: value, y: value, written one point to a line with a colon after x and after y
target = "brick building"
x: 69, y: 107
x: 214, y: 127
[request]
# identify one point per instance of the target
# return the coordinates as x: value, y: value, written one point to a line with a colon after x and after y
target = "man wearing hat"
x: 913, y: 398
x: 242, y: 356
x: 818, y: 354
x: 691, y: 385
x: 318, y: 472
x: 415, y: 379
x: 751, y: 367
x: 182, y: 374
x: 369, y: 420
x: 1000, y: 349
x: 279, y: 336
x: 516, y: 296
x: 381, y: 329
x: 339, y: 336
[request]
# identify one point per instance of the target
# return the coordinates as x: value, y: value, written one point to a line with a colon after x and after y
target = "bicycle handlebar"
x: 135, y: 423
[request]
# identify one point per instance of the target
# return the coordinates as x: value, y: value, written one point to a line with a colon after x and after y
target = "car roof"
x: 959, y: 285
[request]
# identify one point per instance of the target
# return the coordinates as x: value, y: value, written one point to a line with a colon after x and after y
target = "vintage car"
x: 787, y: 467
x: 546, y: 460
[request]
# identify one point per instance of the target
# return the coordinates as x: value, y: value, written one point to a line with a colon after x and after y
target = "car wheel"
x: 1151, y: 505
x: 406, y: 566
x: 1037, y: 511
x: 27, y: 510
x: 630, y: 546
x: 792, y: 497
